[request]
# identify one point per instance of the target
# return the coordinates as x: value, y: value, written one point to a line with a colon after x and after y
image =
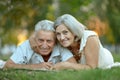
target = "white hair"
x: 45, y: 25
x: 71, y: 23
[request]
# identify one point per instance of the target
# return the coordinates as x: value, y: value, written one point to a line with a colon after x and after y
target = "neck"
x: 75, y: 48
x: 46, y: 57
x: 74, y: 45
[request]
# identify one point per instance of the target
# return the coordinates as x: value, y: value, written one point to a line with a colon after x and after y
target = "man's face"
x: 46, y: 42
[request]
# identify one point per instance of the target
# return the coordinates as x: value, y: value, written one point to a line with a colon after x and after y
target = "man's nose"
x: 44, y: 45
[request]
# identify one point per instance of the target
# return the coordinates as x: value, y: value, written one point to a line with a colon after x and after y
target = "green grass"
x: 96, y: 74
x: 116, y: 57
x: 5, y: 57
x: 93, y: 74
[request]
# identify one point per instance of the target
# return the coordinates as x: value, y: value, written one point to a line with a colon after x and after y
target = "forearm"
x: 23, y: 66
x: 71, y: 60
x: 79, y: 66
x: 68, y: 65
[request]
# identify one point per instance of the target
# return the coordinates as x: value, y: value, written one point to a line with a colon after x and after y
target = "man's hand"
x: 46, y: 65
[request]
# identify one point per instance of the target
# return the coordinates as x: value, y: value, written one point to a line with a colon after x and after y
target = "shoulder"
x: 88, y: 36
x: 22, y: 51
x: 89, y: 33
x: 25, y: 44
x: 92, y: 39
x: 24, y: 48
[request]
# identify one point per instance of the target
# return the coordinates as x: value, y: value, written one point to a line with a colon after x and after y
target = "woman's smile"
x: 64, y: 35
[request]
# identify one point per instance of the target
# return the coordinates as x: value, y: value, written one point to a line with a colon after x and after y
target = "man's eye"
x: 49, y: 41
x: 40, y: 40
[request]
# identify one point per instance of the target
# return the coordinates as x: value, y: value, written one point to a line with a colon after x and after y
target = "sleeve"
x: 84, y: 38
x: 65, y: 54
x: 20, y: 55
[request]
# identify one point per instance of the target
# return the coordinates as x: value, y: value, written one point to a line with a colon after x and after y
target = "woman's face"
x: 64, y: 36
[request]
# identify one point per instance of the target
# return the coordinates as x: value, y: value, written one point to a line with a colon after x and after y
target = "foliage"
x: 79, y: 8
x: 110, y: 10
x: 16, y: 15
x: 20, y: 14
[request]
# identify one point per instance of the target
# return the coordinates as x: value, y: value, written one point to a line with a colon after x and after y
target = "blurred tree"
x: 17, y: 15
x: 81, y: 9
x: 20, y: 14
x: 109, y: 10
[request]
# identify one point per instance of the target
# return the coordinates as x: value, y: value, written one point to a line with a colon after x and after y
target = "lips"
x: 44, y: 50
x: 64, y: 41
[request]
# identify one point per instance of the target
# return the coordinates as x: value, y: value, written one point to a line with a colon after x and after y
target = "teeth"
x: 64, y: 41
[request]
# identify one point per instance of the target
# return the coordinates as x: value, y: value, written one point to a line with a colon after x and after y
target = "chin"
x: 65, y: 45
x: 44, y: 54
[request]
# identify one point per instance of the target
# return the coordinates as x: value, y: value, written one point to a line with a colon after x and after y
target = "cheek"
x: 39, y: 43
x: 52, y: 45
x: 72, y: 37
x: 58, y: 38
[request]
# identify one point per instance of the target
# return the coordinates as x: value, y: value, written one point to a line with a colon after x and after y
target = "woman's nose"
x: 62, y: 36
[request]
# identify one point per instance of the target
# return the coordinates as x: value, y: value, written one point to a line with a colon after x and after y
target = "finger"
x: 53, y: 68
x: 47, y: 67
x: 50, y: 63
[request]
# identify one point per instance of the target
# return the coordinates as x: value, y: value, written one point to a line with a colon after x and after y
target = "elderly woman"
x: 84, y: 44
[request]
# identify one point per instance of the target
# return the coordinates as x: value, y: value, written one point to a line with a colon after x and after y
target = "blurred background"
x: 18, y: 17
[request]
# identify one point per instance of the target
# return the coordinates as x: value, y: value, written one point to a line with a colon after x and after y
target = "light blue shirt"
x: 25, y: 55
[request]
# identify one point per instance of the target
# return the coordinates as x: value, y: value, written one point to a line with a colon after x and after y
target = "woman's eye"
x: 65, y: 32
x: 57, y: 34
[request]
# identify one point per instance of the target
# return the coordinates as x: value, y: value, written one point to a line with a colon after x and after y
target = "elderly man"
x: 49, y: 53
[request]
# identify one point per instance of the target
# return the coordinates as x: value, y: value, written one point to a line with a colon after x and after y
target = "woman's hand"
x: 44, y: 65
x: 62, y: 66
x: 33, y: 43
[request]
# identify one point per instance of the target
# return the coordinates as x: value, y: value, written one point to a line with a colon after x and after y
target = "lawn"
x: 95, y: 74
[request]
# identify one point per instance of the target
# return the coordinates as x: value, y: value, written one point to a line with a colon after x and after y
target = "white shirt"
x: 105, y: 57
x: 25, y: 55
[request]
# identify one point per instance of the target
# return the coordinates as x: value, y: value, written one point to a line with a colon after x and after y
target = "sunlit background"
x: 18, y: 17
